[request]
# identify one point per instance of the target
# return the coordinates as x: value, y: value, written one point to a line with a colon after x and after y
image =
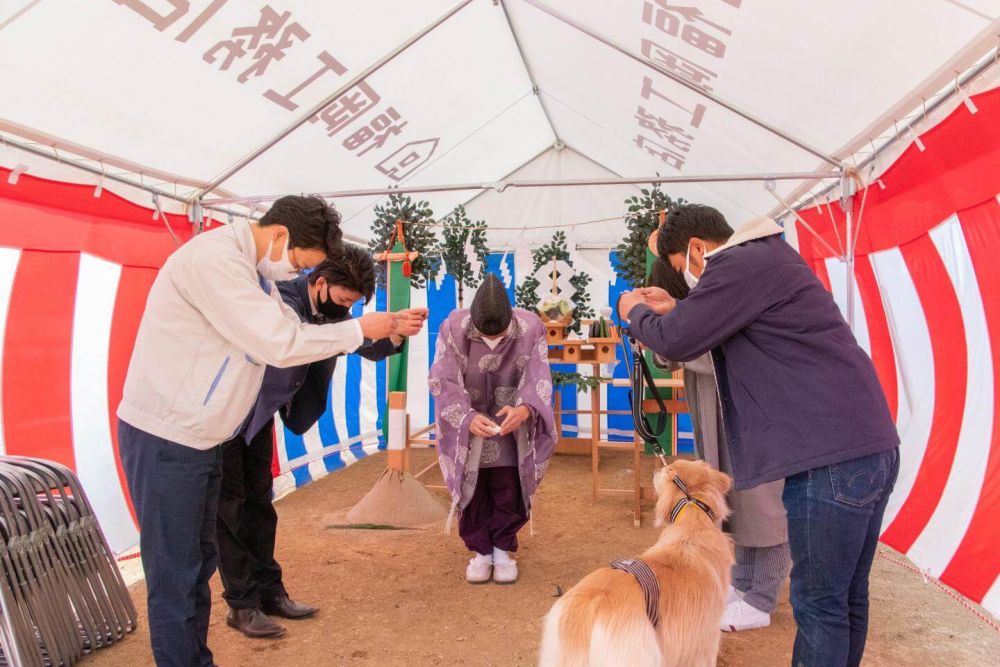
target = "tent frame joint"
x: 535, y: 89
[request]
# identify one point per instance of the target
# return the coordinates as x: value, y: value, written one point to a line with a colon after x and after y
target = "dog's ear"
x: 664, y: 498
x: 660, y: 479
x: 720, y: 482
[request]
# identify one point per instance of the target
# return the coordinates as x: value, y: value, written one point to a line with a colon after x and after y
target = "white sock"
x: 501, y: 557
x: 482, y: 559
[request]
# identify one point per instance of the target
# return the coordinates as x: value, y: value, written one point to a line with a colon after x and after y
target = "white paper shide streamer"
x: 505, y: 274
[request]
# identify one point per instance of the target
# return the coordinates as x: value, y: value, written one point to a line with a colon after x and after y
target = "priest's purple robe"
x: 467, y: 377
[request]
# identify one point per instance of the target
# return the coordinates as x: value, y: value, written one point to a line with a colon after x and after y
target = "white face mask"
x: 689, y: 277
x: 280, y: 270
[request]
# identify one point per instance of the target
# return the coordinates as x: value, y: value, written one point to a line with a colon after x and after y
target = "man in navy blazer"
x: 247, y: 522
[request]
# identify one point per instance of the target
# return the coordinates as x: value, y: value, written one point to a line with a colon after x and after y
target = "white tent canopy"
x: 537, y: 115
x: 179, y: 92
x: 531, y: 214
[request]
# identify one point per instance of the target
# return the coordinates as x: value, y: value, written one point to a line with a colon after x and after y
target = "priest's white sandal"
x: 479, y: 570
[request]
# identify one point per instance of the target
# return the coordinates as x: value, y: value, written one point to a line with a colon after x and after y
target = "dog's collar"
x: 688, y: 500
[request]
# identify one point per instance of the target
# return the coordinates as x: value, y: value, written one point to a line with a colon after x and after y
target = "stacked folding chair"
x: 61, y: 593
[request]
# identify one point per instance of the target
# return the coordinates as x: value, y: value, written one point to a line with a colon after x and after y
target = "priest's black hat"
x: 491, y: 311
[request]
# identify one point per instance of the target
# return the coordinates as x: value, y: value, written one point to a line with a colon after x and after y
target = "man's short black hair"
x: 691, y: 221
x: 312, y: 223
x: 666, y: 277
x: 354, y: 269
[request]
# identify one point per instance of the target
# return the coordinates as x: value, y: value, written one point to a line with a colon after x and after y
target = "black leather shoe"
x: 285, y: 607
x: 254, y: 623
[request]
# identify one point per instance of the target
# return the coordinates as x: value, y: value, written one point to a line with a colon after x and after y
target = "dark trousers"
x: 175, y: 492
x: 247, y: 523
x: 834, y: 521
x: 495, y: 513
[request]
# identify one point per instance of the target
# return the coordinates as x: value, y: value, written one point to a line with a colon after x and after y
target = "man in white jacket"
x: 213, y: 323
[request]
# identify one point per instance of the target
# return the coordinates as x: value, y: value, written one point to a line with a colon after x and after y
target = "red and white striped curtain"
x: 927, y: 309
x: 74, y: 274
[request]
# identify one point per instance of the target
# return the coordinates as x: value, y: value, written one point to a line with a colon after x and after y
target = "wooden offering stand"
x: 587, y: 351
x: 581, y: 352
x: 594, y: 352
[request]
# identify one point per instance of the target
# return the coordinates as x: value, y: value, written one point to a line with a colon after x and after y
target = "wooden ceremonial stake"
x: 398, y: 271
x: 397, y: 430
x: 397, y: 498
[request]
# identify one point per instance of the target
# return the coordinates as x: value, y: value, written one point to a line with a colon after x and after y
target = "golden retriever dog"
x: 603, y: 620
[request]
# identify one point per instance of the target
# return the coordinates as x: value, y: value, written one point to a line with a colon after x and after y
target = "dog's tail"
x: 583, y: 630
x: 551, y: 649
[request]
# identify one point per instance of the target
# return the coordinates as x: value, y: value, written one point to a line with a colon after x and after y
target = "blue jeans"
x: 834, y: 521
x: 175, y: 492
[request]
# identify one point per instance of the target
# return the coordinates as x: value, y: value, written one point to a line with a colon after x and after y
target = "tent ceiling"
x: 600, y: 207
x: 132, y: 79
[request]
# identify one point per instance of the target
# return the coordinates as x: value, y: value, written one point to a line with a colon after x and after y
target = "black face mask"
x: 331, y: 310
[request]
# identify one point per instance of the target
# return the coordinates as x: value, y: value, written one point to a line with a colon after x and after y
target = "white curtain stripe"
x: 97, y: 287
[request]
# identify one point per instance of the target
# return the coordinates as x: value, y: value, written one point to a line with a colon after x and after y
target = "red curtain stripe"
x: 883, y: 355
x: 819, y: 267
x: 38, y: 214
x: 37, y: 348
x: 130, y: 302
x: 947, y: 331
x: 976, y: 564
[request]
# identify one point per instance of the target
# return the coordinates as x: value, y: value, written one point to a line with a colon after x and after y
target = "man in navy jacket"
x: 247, y: 522
x: 800, y: 400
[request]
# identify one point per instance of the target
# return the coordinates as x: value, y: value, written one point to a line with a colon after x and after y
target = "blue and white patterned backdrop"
x: 352, y: 425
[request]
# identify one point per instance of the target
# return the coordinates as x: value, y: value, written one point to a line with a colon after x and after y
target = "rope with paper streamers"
x: 957, y: 598
x: 505, y: 273
x: 527, y: 227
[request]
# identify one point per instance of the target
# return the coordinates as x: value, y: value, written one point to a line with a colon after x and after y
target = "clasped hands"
x: 484, y: 427
x: 654, y: 298
x: 397, y: 325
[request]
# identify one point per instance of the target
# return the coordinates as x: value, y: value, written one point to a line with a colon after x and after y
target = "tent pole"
x: 769, y: 186
x: 991, y: 58
x: 106, y: 175
x: 507, y: 175
x: 527, y: 68
x: 194, y: 214
x: 847, y: 186
x: 746, y: 115
x: 46, y: 141
x: 849, y: 260
x: 327, y: 101
x: 500, y: 186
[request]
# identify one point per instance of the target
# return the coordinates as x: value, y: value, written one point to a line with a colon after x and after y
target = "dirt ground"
x: 399, y: 597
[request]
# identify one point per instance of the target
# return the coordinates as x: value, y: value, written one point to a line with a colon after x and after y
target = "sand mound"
x: 398, y: 499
